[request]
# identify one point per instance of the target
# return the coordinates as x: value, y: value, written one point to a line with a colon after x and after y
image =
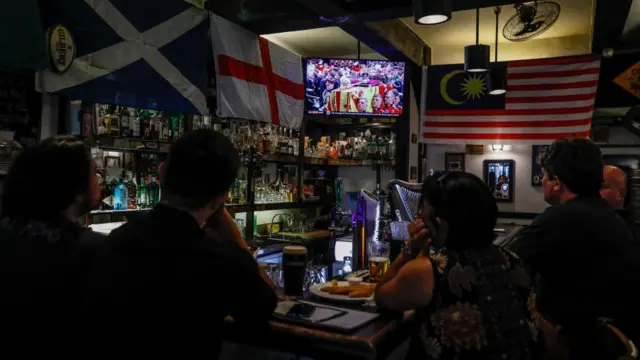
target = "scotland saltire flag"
x: 144, y: 53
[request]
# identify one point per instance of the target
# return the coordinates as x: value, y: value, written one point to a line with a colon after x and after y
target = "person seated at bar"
x: 615, y: 191
x: 45, y: 256
x: 581, y: 253
x: 471, y: 295
x: 165, y: 286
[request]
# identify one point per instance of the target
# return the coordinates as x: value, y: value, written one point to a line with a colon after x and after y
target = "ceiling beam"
x: 391, y: 39
x: 394, y: 12
x: 404, y: 39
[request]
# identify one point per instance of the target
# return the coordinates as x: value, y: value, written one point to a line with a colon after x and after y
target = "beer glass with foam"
x: 294, y: 268
x: 379, y: 253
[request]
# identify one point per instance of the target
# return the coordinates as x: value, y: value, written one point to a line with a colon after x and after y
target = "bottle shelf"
x: 236, y: 208
x: 346, y: 162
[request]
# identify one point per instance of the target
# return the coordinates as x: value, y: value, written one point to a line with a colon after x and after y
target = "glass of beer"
x: 378, y: 259
x: 294, y: 269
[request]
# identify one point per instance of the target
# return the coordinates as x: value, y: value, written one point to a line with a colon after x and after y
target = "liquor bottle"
x: 291, y: 142
x: 131, y: 189
x: 153, y: 131
x: 197, y: 122
x: 157, y: 120
x: 121, y: 197
x: 107, y: 124
x: 115, y: 122
x: 143, y: 195
x: 145, y: 124
x: 125, y: 130
x: 391, y: 147
x: 181, y: 126
x: 135, y: 124
x: 154, y: 191
x: 173, y: 127
x: 235, y: 193
x: 166, y: 126
x: 100, y: 121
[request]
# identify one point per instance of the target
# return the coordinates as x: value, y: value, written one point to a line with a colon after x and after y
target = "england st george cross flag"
x: 142, y: 53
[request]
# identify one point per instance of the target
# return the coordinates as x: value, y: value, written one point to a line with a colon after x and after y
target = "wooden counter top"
x: 373, y: 341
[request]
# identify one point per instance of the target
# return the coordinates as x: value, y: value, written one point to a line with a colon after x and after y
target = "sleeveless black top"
x: 479, y: 308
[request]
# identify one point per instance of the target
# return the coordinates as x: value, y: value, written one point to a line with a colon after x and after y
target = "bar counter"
x: 373, y: 341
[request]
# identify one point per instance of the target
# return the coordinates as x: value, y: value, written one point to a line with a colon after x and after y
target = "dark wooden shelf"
x: 236, y: 208
x: 346, y: 162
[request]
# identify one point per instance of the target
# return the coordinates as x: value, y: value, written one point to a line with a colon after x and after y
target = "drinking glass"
x: 294, y: 269
x: 379, y: 253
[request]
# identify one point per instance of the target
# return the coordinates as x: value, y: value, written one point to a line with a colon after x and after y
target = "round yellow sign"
x: 62, y: 49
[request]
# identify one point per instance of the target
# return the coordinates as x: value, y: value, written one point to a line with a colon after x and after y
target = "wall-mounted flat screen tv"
x: 345, y: 87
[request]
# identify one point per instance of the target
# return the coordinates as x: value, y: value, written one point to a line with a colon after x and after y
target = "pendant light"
x: 498, y: 79
x: 431, y: 12
x: 477, y: 57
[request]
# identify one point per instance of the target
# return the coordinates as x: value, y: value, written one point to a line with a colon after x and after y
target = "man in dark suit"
x: 165, y: 285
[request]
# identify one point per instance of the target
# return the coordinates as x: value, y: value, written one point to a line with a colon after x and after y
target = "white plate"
x: 316, y: 291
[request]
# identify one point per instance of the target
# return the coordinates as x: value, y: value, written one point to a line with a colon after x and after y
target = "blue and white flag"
x: 142, y: 54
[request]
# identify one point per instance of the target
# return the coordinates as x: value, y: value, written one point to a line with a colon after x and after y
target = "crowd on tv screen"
x: 369, y: 86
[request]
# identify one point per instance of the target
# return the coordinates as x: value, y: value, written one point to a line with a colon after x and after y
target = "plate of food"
x: 344, y: 291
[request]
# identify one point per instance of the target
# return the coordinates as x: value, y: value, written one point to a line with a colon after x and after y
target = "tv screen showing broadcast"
x: 354, y: 87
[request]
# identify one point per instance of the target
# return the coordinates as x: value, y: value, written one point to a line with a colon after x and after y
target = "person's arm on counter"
x: 221, y: 226
x: 252, y: 299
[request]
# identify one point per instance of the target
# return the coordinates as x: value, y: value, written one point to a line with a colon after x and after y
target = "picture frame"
x: 536, y: 168
x: 454, y: 162
x: 413, y: 173
x: 499, y: 175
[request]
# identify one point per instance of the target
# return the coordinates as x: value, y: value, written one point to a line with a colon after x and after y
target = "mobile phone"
x: 301, y: 310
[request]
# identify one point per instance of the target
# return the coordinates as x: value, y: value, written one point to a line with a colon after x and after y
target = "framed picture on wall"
x: 499, y: 175
x: 413, y: 173
x: 454, y: 161
x: 536, y: 167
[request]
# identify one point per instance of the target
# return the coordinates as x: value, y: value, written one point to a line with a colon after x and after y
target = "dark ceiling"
x: 274, y: 16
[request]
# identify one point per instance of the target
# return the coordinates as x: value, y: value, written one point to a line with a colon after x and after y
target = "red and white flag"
x: 546, y: 99
x: 256, y: 79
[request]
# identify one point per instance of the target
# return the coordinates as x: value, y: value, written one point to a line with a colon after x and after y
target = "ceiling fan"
x: 531, y: 20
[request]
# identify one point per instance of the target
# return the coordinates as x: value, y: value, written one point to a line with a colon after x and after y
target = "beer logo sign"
x: 630, y: 80
x: 62, y: 49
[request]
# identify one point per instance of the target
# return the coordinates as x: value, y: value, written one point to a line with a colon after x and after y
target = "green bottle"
x: 154, y: 191
x: 143, y: 195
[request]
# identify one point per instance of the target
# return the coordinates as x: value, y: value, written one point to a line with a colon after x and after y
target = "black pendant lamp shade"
x: 498, y: 81
x: 477, y: 58
x: 431, y: 12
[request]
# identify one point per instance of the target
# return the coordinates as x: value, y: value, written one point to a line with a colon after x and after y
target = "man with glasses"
x: 579, y: 249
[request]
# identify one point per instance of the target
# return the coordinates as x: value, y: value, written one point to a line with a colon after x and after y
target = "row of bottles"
x: 139, y: 124
x: 362, y: 146
x: 124, y: 194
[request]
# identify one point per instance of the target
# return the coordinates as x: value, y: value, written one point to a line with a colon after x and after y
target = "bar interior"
x: 338, y: 111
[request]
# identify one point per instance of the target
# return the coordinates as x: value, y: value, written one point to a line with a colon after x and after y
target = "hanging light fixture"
x: 431, y: 12
x: 498, y: 81
x: 477, y: 57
